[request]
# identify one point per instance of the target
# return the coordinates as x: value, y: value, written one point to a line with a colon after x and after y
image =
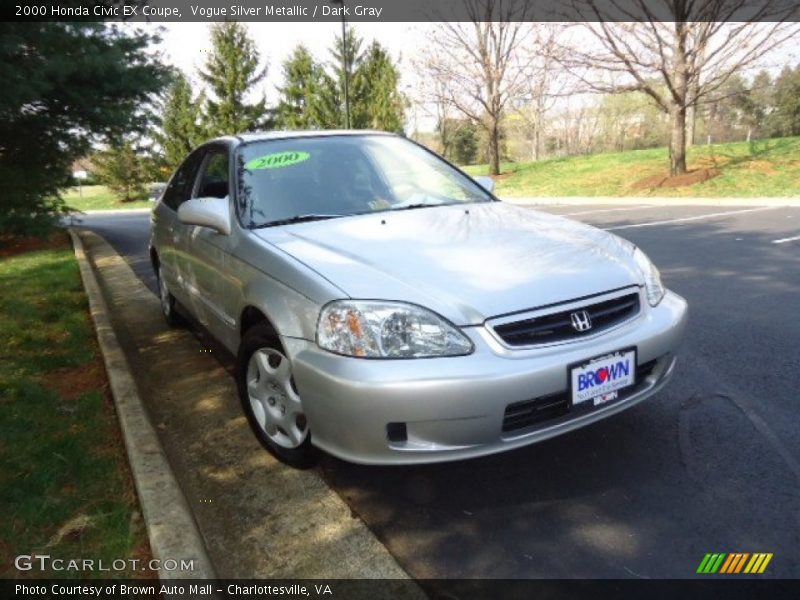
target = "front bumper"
x: 454, y: 408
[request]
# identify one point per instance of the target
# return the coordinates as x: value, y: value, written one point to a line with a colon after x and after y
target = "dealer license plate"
x: 600, y: 379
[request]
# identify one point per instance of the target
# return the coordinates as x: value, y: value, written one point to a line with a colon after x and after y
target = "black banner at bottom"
x: 732, y: 588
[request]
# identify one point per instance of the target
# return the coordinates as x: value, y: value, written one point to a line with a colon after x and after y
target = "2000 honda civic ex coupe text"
x: 387, y: 308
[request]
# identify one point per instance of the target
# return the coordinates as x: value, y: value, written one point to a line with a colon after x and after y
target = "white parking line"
x: 602, y: 210
x: 784, y: 240
x: 697, y: 218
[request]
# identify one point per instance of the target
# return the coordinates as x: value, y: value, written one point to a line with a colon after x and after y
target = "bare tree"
x: 678, y: 56
x: 576, y: 128
x: 478, y: 66
x: 691, y: 110
x: 544, y: 81
x: 443, y: 111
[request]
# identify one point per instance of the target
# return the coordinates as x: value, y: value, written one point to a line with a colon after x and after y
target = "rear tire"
x: 167, y: 301
x: 270, y: 400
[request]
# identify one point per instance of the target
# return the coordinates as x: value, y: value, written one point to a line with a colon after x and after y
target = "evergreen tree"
x: 785, y: 118
x: 313, y: 98
x: 326, y: 106
x: 179, y: 123
x: 761, y: 96
x: 458, y: 139
x: 384, y: 105
x: 122, y: 168
x: 231, y: 72
x: 729, y: 111
x: 64, y: 84
x: 302, y: 82
x: 372, y: 85
x: 345, y: 63
x: 465, y: 143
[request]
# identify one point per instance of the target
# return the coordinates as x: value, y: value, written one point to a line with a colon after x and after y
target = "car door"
x: 206, y: 249
x: 168, y: 231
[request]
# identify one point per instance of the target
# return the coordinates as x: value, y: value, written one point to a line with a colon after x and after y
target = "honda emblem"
x: 581, y: 321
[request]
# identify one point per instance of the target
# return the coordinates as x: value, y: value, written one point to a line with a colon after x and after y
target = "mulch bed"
x: 73, y: 382
x: 673, y: 181
x: 12, y: 245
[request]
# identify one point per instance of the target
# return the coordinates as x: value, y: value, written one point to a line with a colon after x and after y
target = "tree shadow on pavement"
x: 645, y: 493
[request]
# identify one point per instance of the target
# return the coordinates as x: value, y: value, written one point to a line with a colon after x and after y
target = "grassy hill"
x: 759, y: 168
x: 96, y: 197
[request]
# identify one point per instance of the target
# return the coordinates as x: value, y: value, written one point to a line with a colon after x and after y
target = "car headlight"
x: 374, y: 329
x: 652, y: 278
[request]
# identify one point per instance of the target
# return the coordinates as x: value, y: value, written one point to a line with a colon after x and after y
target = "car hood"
x: 467, y: 262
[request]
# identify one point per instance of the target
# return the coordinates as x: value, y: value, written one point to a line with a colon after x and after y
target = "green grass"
x: 61, y: 454
x: 760, y: 168
x: 98, y: 197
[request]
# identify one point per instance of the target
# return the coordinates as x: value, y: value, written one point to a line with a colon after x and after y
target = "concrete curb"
x: 115, y: 211
x: 647, y: 200
x: 170, y: 525
x: 267, y: 521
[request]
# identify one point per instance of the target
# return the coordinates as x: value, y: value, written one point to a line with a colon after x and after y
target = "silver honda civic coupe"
x: 386, y: 308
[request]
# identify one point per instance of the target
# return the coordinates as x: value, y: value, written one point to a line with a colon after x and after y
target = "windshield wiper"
x: 423, y: 205
x: 297, y: 219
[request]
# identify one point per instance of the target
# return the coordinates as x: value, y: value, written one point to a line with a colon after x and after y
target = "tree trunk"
x: 537, y: 135
x: 691, y: 120
x: 494, y: 148
x: 694, y: 88
x: 677, y: 144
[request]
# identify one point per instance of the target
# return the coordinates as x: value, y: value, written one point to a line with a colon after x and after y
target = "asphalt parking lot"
x: 711, y: 464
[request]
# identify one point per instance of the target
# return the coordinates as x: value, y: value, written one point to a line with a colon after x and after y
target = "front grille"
x: 527, y: 413
x: 546, y: 408
x: 557, y: 326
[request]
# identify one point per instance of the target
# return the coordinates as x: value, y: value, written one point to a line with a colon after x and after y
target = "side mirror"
x: 207, y: 212
x: 486, y: 183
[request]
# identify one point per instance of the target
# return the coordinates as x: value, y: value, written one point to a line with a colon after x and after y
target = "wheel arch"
x: 289, y: 313
x: 252, y: 315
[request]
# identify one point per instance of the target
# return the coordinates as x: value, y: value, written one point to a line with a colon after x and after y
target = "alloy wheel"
x: 274, y: 398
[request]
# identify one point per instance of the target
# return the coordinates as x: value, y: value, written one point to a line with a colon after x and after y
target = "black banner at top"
x: 377, y: 11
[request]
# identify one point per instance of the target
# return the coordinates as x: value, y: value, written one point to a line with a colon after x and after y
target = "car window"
x: 343, y: 175
x: 214, y: 177
x: 180, y: 186
x: 409, y: 172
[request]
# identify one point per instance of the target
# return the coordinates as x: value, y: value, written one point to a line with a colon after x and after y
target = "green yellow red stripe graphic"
x: 730, y: 563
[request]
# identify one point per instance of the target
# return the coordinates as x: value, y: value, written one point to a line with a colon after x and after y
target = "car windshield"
x: 308, y: 178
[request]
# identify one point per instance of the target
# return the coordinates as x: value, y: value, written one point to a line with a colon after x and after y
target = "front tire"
x: 270, y: 400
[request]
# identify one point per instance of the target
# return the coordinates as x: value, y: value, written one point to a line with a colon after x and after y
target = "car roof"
x: 257, y: 136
